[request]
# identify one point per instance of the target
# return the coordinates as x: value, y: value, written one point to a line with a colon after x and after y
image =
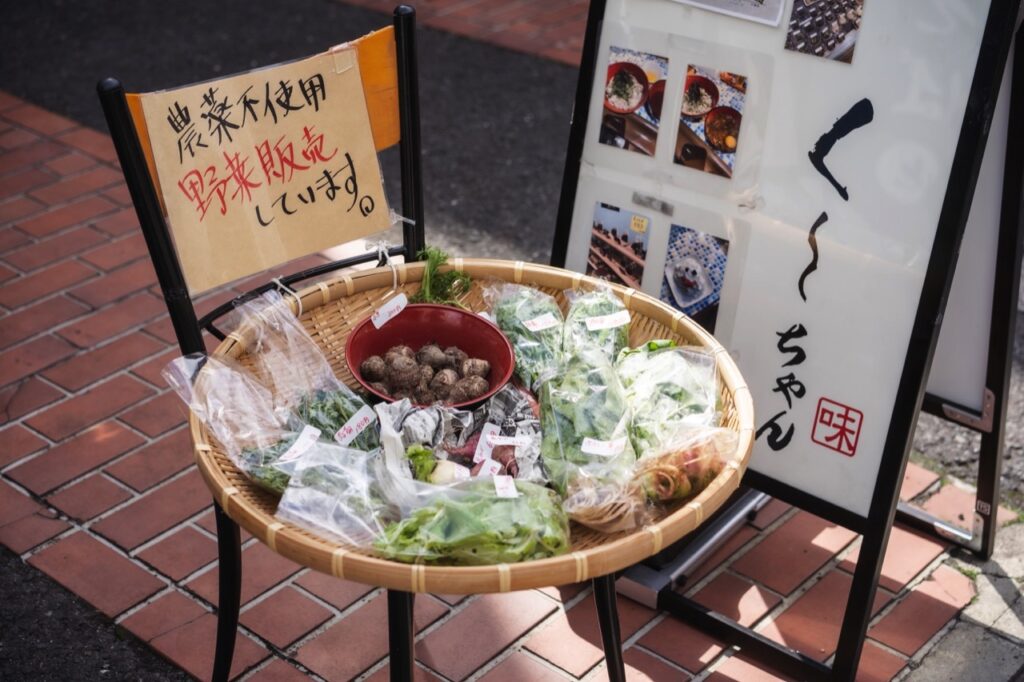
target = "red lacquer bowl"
x: 641, y: 78
x: 422, y: 323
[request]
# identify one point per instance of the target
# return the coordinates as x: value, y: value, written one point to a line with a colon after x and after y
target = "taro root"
x: 475, y: 367
x: 468, y: 388
x: 432, y: 355
x: 443, y: 381
x: 423, y: 395
x: 373, y: 368
x: 456, y: 356
x: 403, y: 372
x: 380, y: 387
x: 397, y: 351
x: 426, y: 373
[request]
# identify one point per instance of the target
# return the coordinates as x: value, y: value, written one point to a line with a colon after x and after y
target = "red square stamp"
x: 837, y: 426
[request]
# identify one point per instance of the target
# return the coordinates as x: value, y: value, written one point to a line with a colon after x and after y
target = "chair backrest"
x: 386, y: 62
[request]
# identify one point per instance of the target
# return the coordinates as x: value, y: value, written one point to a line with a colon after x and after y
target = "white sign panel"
x: 789, y: 183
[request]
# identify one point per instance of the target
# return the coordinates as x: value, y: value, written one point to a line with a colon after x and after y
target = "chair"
x: 387, y: 59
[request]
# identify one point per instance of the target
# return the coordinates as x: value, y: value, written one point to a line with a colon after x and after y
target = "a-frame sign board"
x: 795, y: 175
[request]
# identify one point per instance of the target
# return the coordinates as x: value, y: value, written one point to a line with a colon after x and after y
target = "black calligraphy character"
x: 789, y: 386
x: 777, y: 438
x: 180, y: 121
x: 178, y: 118
x: 218, y: 116
x: 860, y: 114
x: 284, y: 97
x: 812, y: 239
x: 313, y: 90
x: 248, y: 106
x: 268, y: 103
x: 797, y: 331
x: 327, y: 184
x: 309, y: 193
x: 259, y: 217
x: 283, y: 200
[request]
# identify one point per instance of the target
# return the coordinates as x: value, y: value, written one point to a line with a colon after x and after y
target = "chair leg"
x: 608, y: 618
x: 229, y: 552
x: 400, y: 635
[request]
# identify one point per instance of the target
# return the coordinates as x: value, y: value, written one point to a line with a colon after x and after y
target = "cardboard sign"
x: 265, y: 167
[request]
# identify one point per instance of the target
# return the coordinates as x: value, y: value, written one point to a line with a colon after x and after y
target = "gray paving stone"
x: 970, y: 652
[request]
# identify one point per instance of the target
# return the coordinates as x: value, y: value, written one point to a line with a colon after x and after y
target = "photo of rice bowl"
x: 633, y: 91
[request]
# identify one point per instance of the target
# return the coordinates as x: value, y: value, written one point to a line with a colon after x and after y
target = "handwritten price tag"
x: 539, y: 324
x: 461, y: 473
x: 517, y: 441
x: 356, y: 425
x: 484, y: 446
x: 488, y: 468
x: 608, y: 321
x: 603, y: 448
x: 387, y: 311
x: 505, y: 486
x: 301, y: 445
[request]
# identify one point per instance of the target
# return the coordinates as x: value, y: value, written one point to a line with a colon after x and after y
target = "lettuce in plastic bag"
x: 599, y: 320
x: 473, y: 526
x: 532, y: 321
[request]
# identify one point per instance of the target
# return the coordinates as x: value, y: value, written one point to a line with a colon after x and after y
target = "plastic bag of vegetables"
x: 533, y: 322
x: 596, y: 319
x: 240, y: 413
x: 299, y: 376
x: 473, y: 525
x: 334, y: 491
x: 685, y: 466
x: 586, y: 448
x: 669, y: 390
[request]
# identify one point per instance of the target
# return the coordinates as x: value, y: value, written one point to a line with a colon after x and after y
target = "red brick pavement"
x: 97, y: 488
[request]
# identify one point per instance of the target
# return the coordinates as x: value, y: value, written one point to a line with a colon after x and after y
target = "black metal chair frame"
x: 188, y: 331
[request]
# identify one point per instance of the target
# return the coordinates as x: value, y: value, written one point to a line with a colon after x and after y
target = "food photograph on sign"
x: 761, y: 11
x: 709, y: 120
x: 694, y: 273
x: 633, y: 92
x: 825, y: 28
x: 618, y: 246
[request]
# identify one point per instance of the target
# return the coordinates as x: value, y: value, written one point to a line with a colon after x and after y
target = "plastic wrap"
x: 669, y: 390
x: 685, y: 466
x: 586, y: 448
x: 596, y: 319
x: 241, y: 415
x: 472, y: 524
x: 533, y: 323
x: 334, y: 491
x: 299, y: 376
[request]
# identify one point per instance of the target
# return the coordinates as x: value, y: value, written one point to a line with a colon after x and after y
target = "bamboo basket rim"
x: 240, y: 499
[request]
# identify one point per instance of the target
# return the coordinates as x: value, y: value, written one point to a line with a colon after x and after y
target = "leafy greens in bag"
x: 533, y: 323
x: 473, y: 526
x: 669, y: 390
x: 599, y: 320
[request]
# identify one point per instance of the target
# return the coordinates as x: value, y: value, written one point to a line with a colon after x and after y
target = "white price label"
x: 387, y: 311
x: 517, y: 441
x: 608, y: 321
x: 356, y: 425
x: 303, y: 443
x: 461, y: 473
x: 488, y: 468
x: 605, y: 448
x: 484, y: 445
x: 505, y: 486
x: 539, y: 324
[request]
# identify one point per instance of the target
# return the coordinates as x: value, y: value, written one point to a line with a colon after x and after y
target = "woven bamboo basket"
x: 331, y: 309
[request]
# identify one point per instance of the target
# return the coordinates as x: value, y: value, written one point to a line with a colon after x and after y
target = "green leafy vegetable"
x: 440, y: 287
x: 258, y: 464
x: 669, y: 390
x: 584, y: 401
x: 423, y: 461
x: 537, y: 351
x: 587, y: 324
x: 475, y: 527
x: 329, y: 410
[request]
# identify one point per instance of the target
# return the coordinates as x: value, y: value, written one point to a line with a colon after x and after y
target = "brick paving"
x: 98, y: 492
